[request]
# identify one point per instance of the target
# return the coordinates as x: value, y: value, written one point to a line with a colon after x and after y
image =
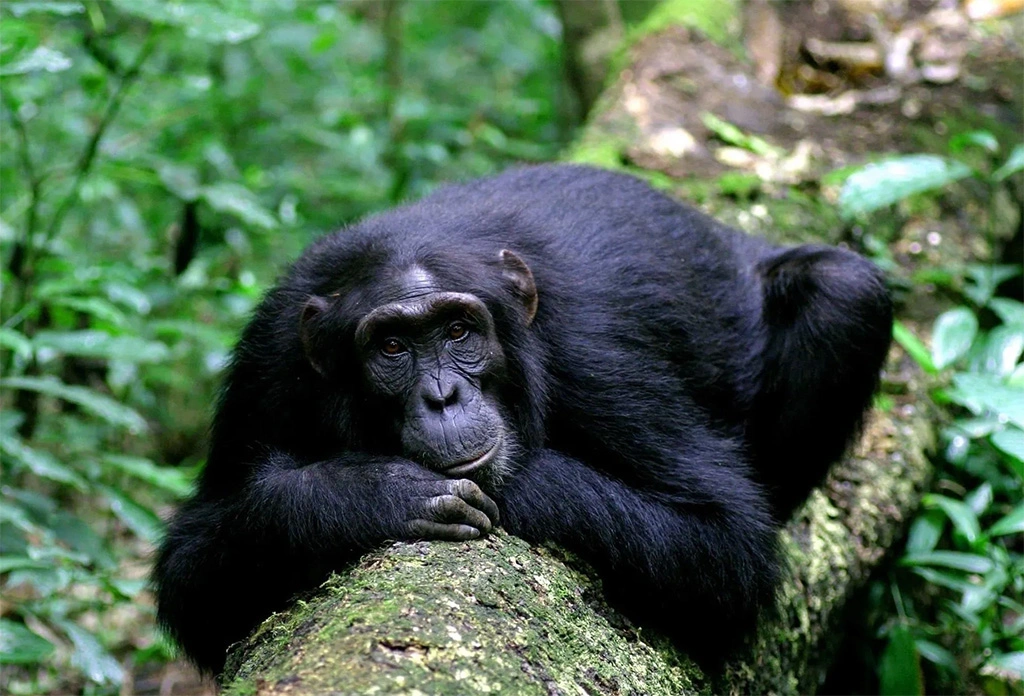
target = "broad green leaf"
x: 177, y: 481
x: 41, y: 58
x: 180, y: 179
x: 200, y: 20
x: 1010, y: 441
x: 1013, y: 523
x: 914, y: 347
x: 1010, y: 311
x: 900, y: 671
x: 942, y: 578
x: 1012, y: 662
x: 9, y: 563
x: 1002, y: 349
x: 91, y: 657
x: 967, y: 562
x: 92, y: 343
x: 732, y: 135
x: 239, y: 201
x: 925, y: 532
x: 145, y: 523
x: 881, y: 184
x: 952, y: 336
x: 40, y: 462
x: 1014, y: 163
x: 959, y: 513
x: 99, y: 405
x: 20, y: 646
x: 979, y: 392
x: 16, y: 342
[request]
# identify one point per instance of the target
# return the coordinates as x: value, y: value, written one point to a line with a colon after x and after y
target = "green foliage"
x: 965, y: 545
x: 956, y: 591
x: 161, y: 161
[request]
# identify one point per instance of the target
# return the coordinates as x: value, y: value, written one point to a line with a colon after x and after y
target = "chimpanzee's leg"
x: 829, y: 324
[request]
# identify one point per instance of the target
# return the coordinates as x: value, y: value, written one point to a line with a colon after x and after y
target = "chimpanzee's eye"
x: 392, y: 346
x: 457, y: 331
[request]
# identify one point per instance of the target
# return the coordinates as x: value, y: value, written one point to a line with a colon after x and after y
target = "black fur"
x: 680, y: 390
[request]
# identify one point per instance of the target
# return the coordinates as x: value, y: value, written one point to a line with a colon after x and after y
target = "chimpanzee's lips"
x: 473, y: 464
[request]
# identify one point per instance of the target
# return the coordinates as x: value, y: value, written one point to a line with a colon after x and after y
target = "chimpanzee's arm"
x: 227, y: 563
x: 698, y: 561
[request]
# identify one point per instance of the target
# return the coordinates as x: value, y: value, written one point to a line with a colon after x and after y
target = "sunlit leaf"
x: 92, y: 343
x: 145, y: 523
x: 40, y: 462
x: 91, y: 657
x: 99, y: 405
x: 1010, y: 441
x: 20, y: 646
x: 952, y: 335
x: 1002, y: 349
x: 175, y: 480
x: 900, y: 670
x: 63, y: 9
x: 980, y: 499
x: 978, y: 138
x: 1012, y: 523
x: 979, y: 392
x: 967, y: 562
x: 41, y: 58
x: 962, y: 517
x: 94, y: 306
x: 239, y: 201
x: 881, y: 184
x: 936, y: 654
x: 203, y: 21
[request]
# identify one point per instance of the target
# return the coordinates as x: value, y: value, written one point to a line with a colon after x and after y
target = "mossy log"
x: 500, y: 616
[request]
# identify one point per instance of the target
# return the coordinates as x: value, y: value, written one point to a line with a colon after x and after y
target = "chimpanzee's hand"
x: 450, y: 510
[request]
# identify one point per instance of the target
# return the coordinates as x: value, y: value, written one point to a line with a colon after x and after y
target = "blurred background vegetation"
x: 162, y: 161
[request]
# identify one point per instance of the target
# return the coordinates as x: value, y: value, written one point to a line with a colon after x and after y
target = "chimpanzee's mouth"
x: 484, y: 459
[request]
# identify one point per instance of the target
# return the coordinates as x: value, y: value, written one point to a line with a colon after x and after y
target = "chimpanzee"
x: 559, y: 350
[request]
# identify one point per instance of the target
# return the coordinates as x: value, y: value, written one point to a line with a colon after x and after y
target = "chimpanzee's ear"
x: 515, y: 270
x: 311, y: 311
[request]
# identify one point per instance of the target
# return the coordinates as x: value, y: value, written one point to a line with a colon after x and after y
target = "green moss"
x: 719, y: 20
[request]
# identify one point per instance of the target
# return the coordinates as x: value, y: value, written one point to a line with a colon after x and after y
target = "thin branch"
x: 88, y: 157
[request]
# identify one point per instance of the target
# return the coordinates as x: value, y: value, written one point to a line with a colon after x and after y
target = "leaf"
x: 980, y: 499
x: 985, y: 278
x: 20, y: 646
x: 1014, y: 163
x: 979, y: 138
x: 978, y: 392
x: 239, y: 201
x: 925, y: 532
x: 967, y: 562
x: 99, y: 405
x: 64, y: 9
x: 1013, y: 523
x: 936, y: 654
x: 100, y: 344
x: 175, y: 480
x: 914, y: 347
x: 952, y: 335
x: 39, y: 462
x: 94, y: 306
x: 900, y: 670
x: 1010, y: 441
x: 144, y: 522
x: 1002, y: 349
x: 883, y: 183
x: 16, y: 342
x: 180, y: 179
x: 42, y: 58
x: 91, y: 657
x: 200, y: 20
x: 959, y: 513
x: 1009, y: 311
